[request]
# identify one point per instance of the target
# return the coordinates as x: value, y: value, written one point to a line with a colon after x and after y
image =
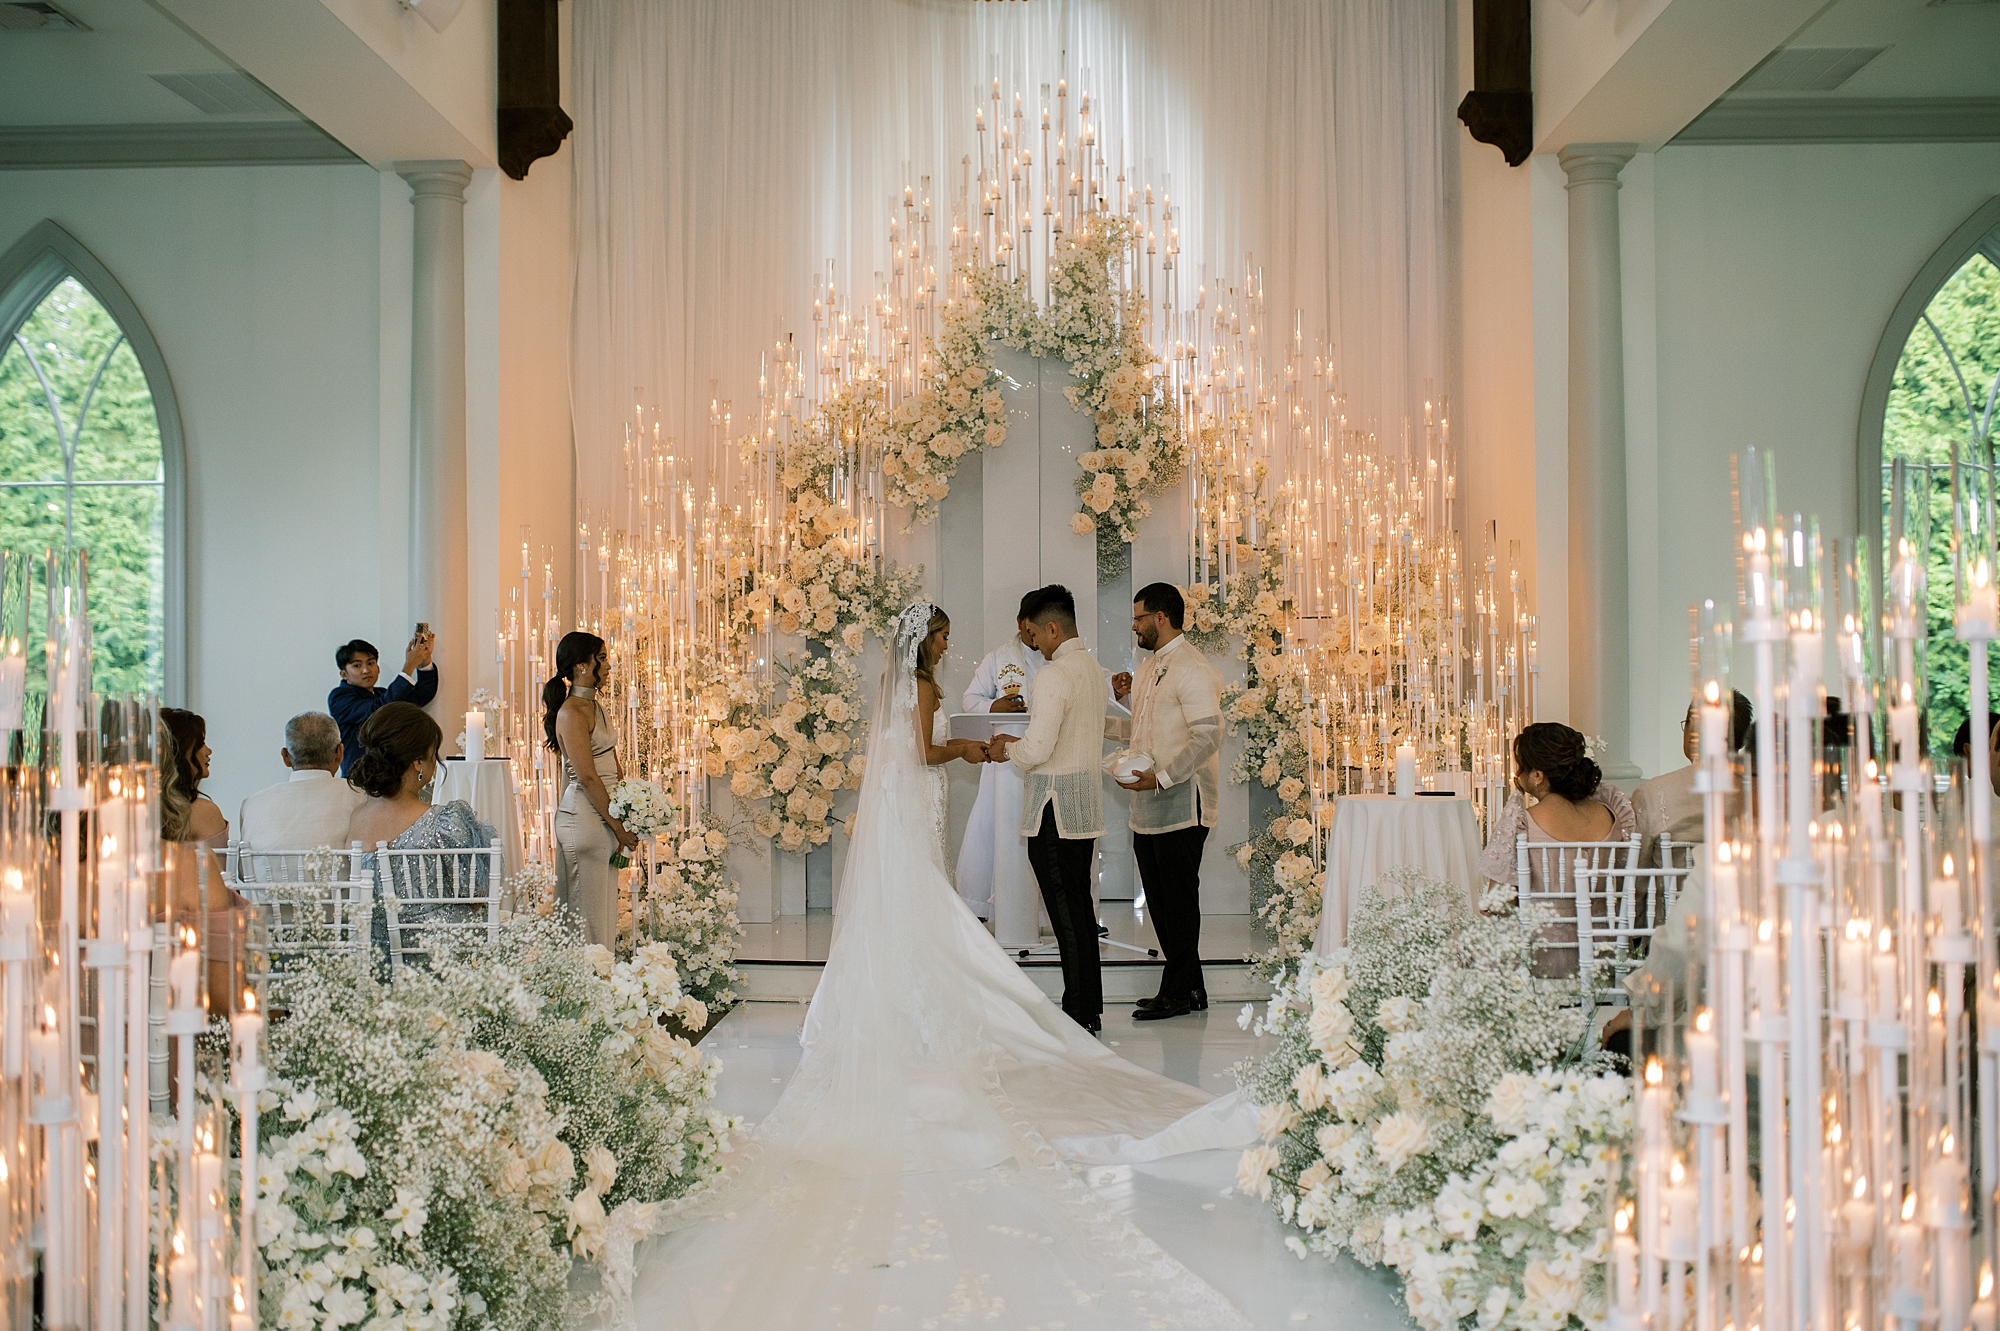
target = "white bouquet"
x: 644, y: 808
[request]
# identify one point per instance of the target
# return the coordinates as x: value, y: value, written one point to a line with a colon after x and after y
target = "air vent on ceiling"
x: 1809, y: 68
x: 38, y: 16
x: 221, y: 92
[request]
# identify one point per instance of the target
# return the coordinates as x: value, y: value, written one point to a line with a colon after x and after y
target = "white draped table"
x: 1373, y: 834
x: 489, y: 788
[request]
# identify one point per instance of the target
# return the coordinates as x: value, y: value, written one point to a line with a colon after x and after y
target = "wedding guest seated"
x: 191, y: 754
x: 398, y: 762
x: 1563, y: 797
x: 1667, y: 805
x: 309, y: 810
x: 1961, y: 748
x: 356, y: 698
x: 192, y: 867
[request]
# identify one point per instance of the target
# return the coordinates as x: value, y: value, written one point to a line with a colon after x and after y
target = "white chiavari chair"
x: 308, y: 914
x: 1618, y: 912
x: 1545, y: 872
x: 456, y: 890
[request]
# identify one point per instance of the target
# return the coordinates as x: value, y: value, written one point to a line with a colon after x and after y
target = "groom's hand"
x: 996, y: 748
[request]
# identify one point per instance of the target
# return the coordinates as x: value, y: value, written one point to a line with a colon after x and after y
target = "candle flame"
x: 249, y: 1000
x: 1946, y: 865
x: 1702, y: 1021
x: 1909, y: 1205
x: 1986, y: 1280
x: 1936, y: 1003
x: 1861, y: 1188
x: 1654, y: 1073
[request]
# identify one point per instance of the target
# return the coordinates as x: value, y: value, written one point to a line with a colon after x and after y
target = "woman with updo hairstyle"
x: 398, y: 763
x: 1562, y: 797
x: 587, y: 836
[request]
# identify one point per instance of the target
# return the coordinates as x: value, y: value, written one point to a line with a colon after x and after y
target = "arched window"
x: 88, y: 455
x: 1940, y: 397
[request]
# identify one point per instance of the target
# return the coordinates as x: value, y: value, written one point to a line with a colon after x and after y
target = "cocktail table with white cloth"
x: 488, y: 786
x: 1373, y: 834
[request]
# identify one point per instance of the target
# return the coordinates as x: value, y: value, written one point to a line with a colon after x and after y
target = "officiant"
x: 1176, y: 700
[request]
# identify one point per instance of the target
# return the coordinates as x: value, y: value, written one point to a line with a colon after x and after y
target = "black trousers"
x: 1063, y: 869
x: 1170, y: 868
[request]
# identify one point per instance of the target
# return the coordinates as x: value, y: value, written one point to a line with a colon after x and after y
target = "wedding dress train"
x: 918, y: 1169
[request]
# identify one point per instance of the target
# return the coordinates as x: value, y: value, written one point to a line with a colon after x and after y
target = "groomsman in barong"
x: 1176, y: 701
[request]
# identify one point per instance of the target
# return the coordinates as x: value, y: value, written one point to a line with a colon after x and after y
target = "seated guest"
x: 355, y: 698
x: 311, y: 809
x: 1667, y: 805
x: 1563, y: 797
x: 205, y: 822
x: 1961, y: 748
x: 398, y: 762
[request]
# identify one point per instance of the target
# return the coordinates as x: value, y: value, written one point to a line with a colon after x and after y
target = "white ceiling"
x: 1935, y: 49
x: 104, y: 76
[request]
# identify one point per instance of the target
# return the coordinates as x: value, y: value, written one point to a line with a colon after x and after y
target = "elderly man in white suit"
x: 1000, y: 684
x: 312, y: 808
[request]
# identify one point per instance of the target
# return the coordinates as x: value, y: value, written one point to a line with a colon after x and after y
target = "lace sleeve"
x: 1496, y: 862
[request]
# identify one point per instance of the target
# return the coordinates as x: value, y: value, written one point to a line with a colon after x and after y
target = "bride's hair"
x: 927, y: 658
x: 575, y: 649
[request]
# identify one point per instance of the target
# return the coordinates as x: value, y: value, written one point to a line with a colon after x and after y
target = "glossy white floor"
x: 1187, y: 1204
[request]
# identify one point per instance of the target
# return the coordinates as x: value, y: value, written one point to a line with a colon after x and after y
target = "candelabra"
x: 116, y: 953
x: 1842, y: 969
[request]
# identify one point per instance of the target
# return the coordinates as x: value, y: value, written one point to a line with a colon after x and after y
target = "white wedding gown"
x: 917, y: 1171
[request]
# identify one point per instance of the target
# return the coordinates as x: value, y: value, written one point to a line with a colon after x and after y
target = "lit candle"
x: 1945, y: 899
x: 1714, y: 730
x: 1764, y: 973
x: 1903, y: 731
x: 1852, y: 954
x: 246, y: 1028
x: 1703, y: 1052
x: 1887, y: 1003
x: 184, y: 978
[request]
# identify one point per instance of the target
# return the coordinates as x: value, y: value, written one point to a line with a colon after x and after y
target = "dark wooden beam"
x: 1500, y: 109
x: 532, y: 123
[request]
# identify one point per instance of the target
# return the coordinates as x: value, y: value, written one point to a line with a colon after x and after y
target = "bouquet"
x: 645, y: 809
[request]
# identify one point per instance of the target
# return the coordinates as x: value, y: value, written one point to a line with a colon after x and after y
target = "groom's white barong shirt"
x: 1177, y: 722
x: 1063, y: 752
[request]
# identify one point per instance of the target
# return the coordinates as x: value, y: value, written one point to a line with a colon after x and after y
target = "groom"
x: 1063, y: 812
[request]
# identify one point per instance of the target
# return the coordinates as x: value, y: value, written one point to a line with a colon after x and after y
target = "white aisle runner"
x: 1187, y: 1204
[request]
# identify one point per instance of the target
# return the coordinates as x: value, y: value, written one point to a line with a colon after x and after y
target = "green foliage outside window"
x: 1941, y: 394
x: 69, y: 375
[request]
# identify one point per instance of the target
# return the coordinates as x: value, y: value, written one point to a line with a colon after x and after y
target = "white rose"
x: 1290, y: 789
x: 1274, y: 1121
x: 851, y: 636
x: 767, y: 824
x: 1253, y: 1171
x: 1509, y: 1102
x: 1309, y: 1085
x: 600, y: 1167
x: 1396, y: 1015
x: 1400, y: 1136
x: 1329, y: 1026
x: 831, y: 775
x: 1549, y: 1287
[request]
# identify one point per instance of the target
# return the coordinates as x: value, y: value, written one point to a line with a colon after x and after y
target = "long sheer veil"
x: 915, y: 1171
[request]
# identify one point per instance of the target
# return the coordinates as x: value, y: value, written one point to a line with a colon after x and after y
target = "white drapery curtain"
x: 728, y: 150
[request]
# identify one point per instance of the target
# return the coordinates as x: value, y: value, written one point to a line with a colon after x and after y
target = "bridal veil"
x: 917, y: 1171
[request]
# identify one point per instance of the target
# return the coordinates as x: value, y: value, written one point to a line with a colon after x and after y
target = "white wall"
x: 1771, y: 273
x: 262, y: 287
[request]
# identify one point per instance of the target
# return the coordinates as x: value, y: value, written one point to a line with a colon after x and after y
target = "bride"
x: 918, y: 1170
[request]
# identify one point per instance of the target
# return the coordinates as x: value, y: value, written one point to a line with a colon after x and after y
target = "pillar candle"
x: 1406, y: 771
x: 1703, y: 1052
x: 1853, y: 965
x: 1714, y: 730
x: 245, y: 1030
x: 1903, y: 732
x: 184, y: 978
x: 13, y: 692
x: 1886, y: 1000
x: 1764, y: 973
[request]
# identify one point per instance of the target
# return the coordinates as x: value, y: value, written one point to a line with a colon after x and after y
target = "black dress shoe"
x: 1178, y: 1007
x: 1199, y: 1000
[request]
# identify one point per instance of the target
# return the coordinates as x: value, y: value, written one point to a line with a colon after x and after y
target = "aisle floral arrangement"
x: 444, y: 1147
x: 1430, y: 1106
x: 688, y: 906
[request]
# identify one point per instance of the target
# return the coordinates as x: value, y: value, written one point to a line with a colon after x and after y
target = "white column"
x: 439, y: 589
x: 1600, y: 638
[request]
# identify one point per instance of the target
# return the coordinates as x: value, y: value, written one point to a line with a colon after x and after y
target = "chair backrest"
x: 1617, y: 912
x: 1546, y: 871
x: 301, y: 917
x: 455, y: 890
x: 244, y: 865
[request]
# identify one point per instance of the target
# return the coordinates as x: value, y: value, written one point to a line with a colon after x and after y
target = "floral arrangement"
x: 644, y: 809
x: 1097, y: 325
x: 1428, y: 1106
x: 804, y: 754
x: 687, y: 904
x: 432, y: 1131
x: 1093, y: 324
